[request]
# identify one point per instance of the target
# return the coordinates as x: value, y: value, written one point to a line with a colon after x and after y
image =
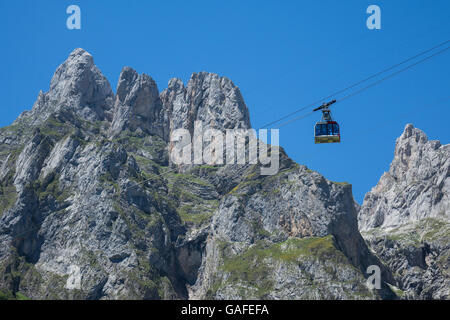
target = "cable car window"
x: 330, y: 129
x: 321, y: 129
x: 335, y: 129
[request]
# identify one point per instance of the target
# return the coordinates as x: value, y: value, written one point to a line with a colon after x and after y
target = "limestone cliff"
x: 92, y: 208
x: 405, y: 217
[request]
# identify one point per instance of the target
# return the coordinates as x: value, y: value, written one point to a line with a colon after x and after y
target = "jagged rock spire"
x: 415, y: 187
x: 77, y: 85
x: 80, y: 79
x: 137, y: 105
x: 405, y: 217
x: 208, y: 97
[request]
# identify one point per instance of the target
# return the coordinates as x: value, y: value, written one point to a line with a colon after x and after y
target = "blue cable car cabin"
x: 327, y: 132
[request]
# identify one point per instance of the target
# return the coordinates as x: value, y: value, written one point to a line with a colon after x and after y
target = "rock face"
x: 214, y: 100
x: 405, y: 218
x: 288, y: 236
x: 77, y: 85
x: 92, y: 208
x: 138, y: 106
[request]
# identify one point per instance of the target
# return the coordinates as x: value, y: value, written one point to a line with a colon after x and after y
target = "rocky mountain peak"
x: 220, y: 101
x: 415, y: 187
x: 405, y: 218
x: 78, y: 80
x: 409, y: 148
x: 80, y: 87
x: 207, y: 97
x: 175, y: 84
x: 133, y: 86
x: 77, y: 85
x: 410, y: 131
x: 138, y: 105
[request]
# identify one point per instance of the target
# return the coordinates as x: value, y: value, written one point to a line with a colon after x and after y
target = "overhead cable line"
x: 366, y: 87
x: 392, y: 75
x: 355, y: 84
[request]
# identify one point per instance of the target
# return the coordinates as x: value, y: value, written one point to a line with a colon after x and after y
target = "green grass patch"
x: 107, y: 179
x: 51, y: 187
x: 188, y: 179
x: 345, y: 183
x: 8, y: 192
x: 54, y: 129
x: 8, y: 197
x: 428, y: 229
x: 188, y: 214
x: 255, y: 264
x: 7, y: 295
x: 133, y: 142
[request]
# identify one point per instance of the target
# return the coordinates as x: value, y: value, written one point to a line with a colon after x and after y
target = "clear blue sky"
x: 282, y: 54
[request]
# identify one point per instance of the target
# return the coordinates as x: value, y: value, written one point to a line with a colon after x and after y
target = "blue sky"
x: 282, y: 54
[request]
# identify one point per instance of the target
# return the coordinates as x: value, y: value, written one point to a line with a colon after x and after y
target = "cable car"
x: 326, y: 130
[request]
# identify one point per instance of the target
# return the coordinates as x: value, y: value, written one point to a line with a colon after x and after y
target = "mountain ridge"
x: 93, y: 208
